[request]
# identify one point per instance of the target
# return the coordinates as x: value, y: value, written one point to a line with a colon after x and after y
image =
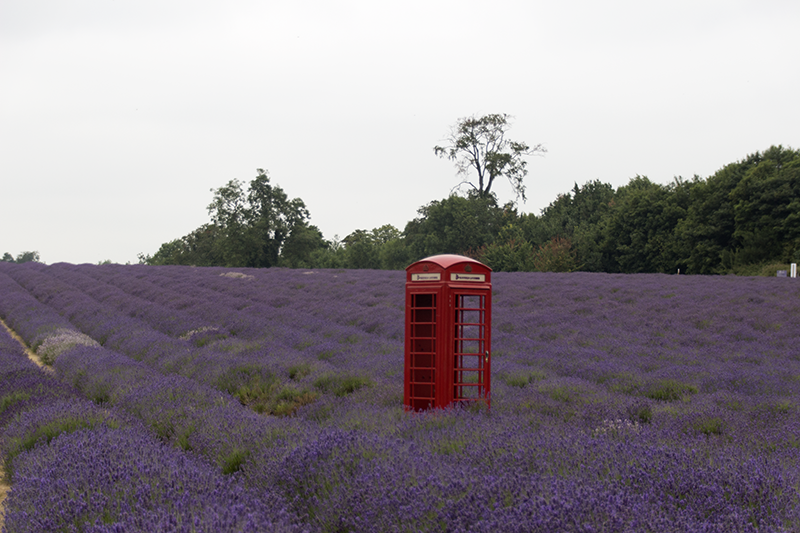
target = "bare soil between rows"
x: 5, y: 488
x: 3, y: 492
x: 30, y: 353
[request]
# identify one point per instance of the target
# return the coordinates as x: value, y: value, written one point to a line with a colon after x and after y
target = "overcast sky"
x: 117, y: 118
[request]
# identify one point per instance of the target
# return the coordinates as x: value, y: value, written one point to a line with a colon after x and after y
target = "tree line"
x: 743, y: 219
x: 22, y: 257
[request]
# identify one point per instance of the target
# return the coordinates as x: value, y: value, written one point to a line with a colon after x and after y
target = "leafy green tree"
x: 509, y: 252
x: 381, y: 247
x: 574, y: 216
x: 722, y: 228
x: 198, y: 248
x: 706, y: 234
x: 479, y: 144
x: 394, y: 254
x: 233, y: 239
x: 301, y: 245
x: 556, y: 255
x: 252, y: 228
x: 7, y: 258
x: 385, y: 233
x: 639, y: 232
x: 766, y: 211
x: 247, y: 229
x: 361, y: 250
x: 25, y: 257
x: 332, y: 256
x: 272, y: 217
x: 456, y: 225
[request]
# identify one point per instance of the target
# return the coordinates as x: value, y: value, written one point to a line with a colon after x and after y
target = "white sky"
x: 117, y: 118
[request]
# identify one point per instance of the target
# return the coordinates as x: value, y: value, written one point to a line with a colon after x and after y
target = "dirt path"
x: 3, y: 491
x: 4, y: 488
x: 31, y: 355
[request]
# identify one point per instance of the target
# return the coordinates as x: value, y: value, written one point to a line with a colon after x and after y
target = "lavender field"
x: 212, y: 399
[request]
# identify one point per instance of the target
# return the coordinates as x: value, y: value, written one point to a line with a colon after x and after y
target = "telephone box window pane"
x: 423, y: 331
x: 423, y: 323
x: 423, y: 315
x: 422, y: 375
x: 423, y: 300
x: 423, y: 361
x: 471, y: 301
x: 471, y: 317
x: 470, y: 362
x: 421, y: 390
x: 470, y: 332
x: 468, y: 393
x: 470, y: 346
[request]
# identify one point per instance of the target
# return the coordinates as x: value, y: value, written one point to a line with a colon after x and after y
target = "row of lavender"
x: 76, y: 466
x: 623, y: 402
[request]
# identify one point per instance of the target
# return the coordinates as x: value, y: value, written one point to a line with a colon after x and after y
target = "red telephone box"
x: 448, y: 332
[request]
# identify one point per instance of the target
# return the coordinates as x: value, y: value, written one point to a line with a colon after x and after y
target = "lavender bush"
x: 619, y: 402
x: 120, y: 480
x: 77, y: 466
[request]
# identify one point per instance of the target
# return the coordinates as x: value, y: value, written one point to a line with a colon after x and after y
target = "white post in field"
x: 794, y: 270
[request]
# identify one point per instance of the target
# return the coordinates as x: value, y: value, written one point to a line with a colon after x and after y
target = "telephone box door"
x: 471, y: 345
x: 422, y: 334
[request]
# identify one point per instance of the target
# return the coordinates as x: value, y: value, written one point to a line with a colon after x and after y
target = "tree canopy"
x: 247, y: 229
x: 480, y: 144
x: 743, y: 219
x: 22, y: 257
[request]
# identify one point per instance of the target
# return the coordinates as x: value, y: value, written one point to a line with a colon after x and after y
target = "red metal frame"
x: 448, y: 332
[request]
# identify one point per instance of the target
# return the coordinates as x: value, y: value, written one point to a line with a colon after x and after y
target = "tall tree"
x: 766, y: 209
x: 255, y: 226
x: 574, y: 216
x: 480, y: 144
x: 301, y: 245
x: 26, y: 257
x: 455, y: 225
x: 639, y: 232
x: 729, y: 225
x: 247, y: 229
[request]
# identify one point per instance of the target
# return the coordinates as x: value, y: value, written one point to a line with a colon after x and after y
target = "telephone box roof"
x: 445, y: 261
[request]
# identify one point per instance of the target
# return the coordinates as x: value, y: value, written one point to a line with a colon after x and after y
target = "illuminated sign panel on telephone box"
x: 448, y: 332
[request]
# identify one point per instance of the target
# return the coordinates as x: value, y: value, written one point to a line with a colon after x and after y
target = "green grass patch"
x: 351, y: 339
x: 623, y: 382
x: 669, y: 390
x: 208, y: 339
x: 643, y: 414
x: 300, y: 346
x: 290, y: 399
x: 781, y: 407
x: 709, y: 426
x: 341, y: 385
x: 10, y: 399
x: 449, y: 446
x: 233, y: 461
x: 262, y: 391
x: 562, y: 394
x: 327, y: 355
x: 299, y: 371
